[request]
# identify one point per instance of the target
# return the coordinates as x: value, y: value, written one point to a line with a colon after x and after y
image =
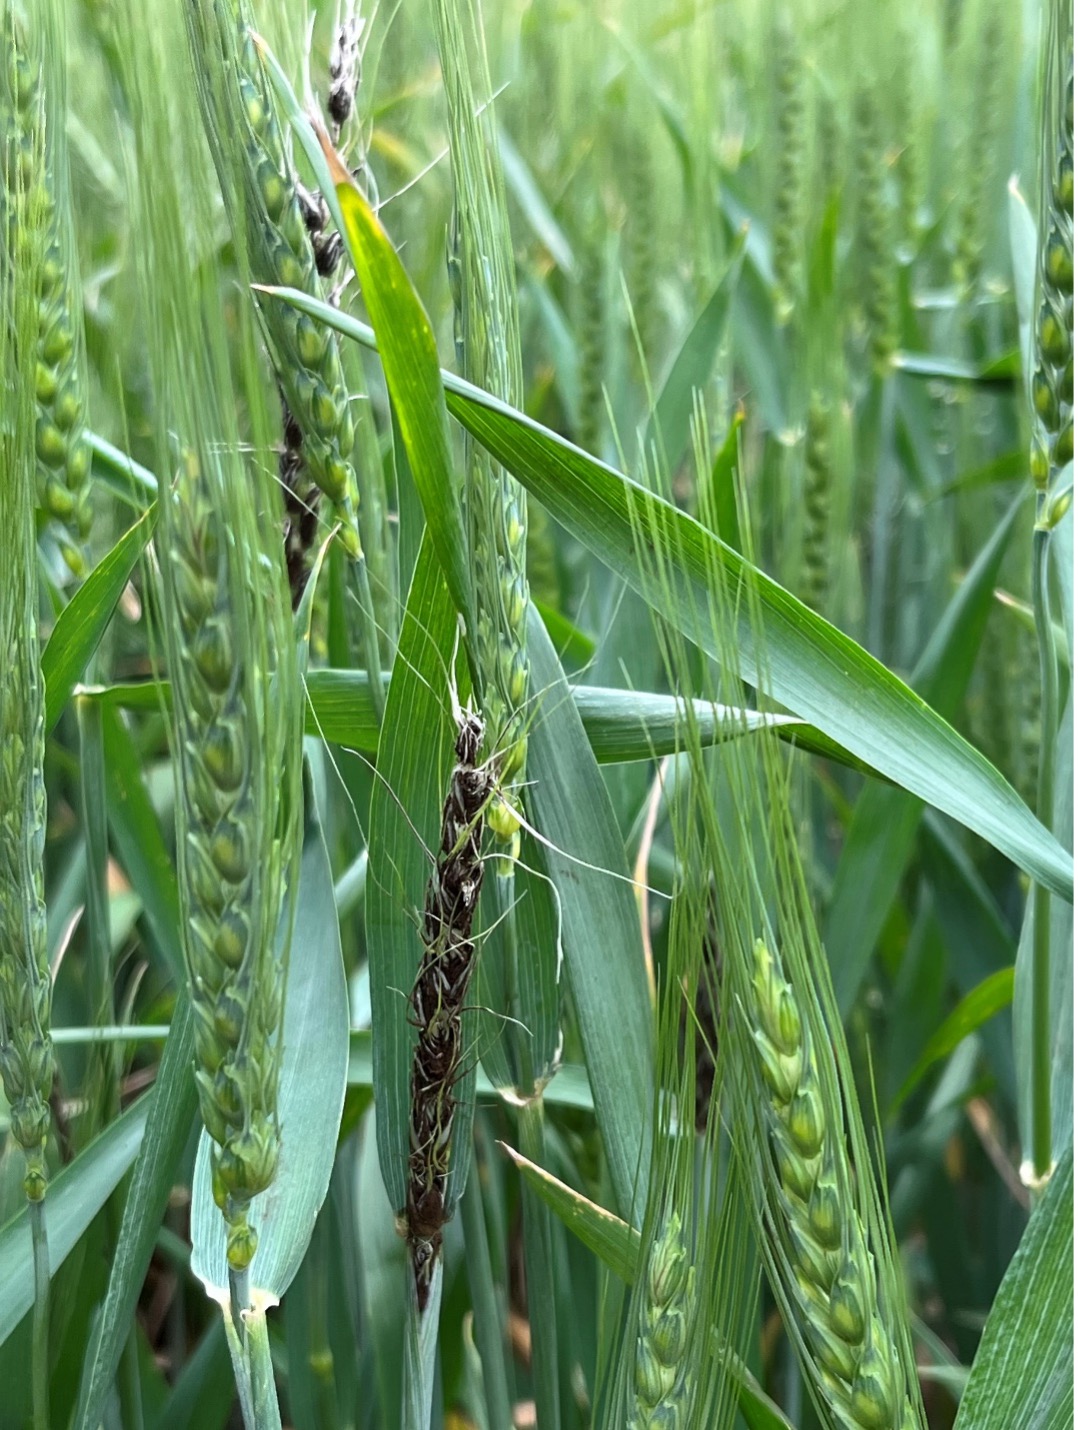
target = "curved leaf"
x: 812, y: 668
x: 81, y: 624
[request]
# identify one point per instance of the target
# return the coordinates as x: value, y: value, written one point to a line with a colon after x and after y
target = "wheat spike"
x: 827, y: 1268
x: 266, y: 209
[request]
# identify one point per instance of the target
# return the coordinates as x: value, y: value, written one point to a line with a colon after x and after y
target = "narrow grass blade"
x: 81, y: 623
x: 983, y: 1003
x: 1024, y: 1370
x: 614, y: 1242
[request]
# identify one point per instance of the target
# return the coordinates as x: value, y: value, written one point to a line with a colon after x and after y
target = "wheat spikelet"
x: 877, y: 271
x: 660, y: 1379
x: 817, y: 506
x: 26, y: 1064
x: 235, y: 723
x: 642, y: 224
x: 1052, y: 384
x: 271, y: 223
x: 823, y: 1256
x: 789, y: 178
x: 488, y: 344
x: 988, y: 75
x: 590, y: 336
x: 36, y: 212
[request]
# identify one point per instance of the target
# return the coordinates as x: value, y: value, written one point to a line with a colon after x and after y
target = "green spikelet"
x: 829, y: 143
x: 978, y: 161
x: 909, y: 162
x: 642, y: 234
x: 817, y: 506
x: 37, y: 213
x: 482, y: 278
x: 827, y: 1268
x: 1052, y: 383
x: 876, y: 269
x: 789, y: 178
x: 663, y: 1336
x: 26, y: 1064
x: 542, y: 556
x: 254, y: 164
x: 590, y: 337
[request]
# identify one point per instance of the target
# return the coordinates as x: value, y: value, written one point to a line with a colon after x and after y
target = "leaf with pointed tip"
x: 81, y: 624
x: 1023, y: 1373
x: 813, y: 669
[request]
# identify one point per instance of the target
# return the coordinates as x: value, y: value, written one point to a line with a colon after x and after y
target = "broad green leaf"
x: 386, y: 1271
x: 518, y: 979
x: 983, y: 1003
x: 570, y: 642
x: 812, y: 668
x: 585, y: 857
x: 569, y: 1086
x: 410, y: 360
x: 1023, y: 1374
x: 75, y: 1196
x: 883, y: 830
x: 172, y: 1106
x: 311, y: 1095
x: 81, y: 623
x: 489, y: 1321
x: 670, y: 423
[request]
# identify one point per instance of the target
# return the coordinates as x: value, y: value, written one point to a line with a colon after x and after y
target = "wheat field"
x: 536, y: 782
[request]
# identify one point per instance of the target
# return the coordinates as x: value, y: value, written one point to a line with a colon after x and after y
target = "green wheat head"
x: 483, y: 284
x: 250, y: 149
x: 35, y: 210
x: 1052, y: 383
x: 26, y: 1064
x: 230, y: 654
